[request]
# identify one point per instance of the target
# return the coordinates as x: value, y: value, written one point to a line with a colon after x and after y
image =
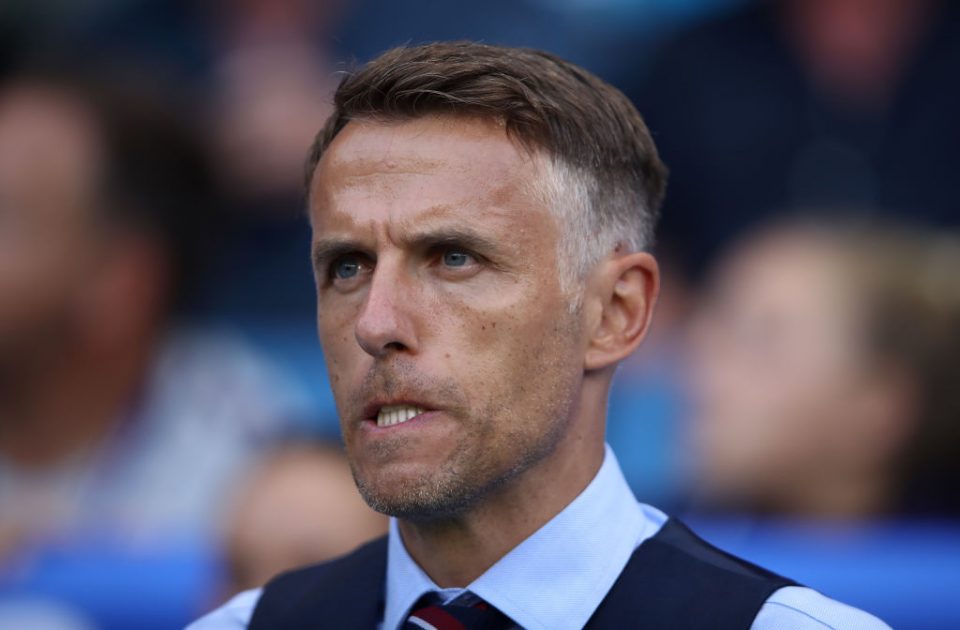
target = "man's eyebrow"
x: 450, y: 236
x: 326, y: 250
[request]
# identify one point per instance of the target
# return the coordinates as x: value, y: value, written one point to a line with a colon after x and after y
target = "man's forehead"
x: 494, y: 221
x: 420, y: 145
x: 423, y: 170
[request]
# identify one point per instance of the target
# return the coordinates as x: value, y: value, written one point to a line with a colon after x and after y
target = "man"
x: 481, y: 217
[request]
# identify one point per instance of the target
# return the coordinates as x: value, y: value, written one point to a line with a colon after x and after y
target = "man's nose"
x: 386, y: 322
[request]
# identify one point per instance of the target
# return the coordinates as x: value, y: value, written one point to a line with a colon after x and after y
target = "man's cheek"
x: 343, y: 372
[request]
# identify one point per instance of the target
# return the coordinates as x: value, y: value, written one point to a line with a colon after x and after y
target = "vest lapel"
x: 347, y: 593
x: 676, y: 580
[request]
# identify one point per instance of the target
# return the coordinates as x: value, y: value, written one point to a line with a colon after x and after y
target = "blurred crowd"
x: 167, y: 437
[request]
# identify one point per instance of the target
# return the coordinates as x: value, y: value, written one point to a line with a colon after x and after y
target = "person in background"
x: 270, y: 77
x: 805, y: 103
x: 298, y: 506
x: 825, y: 361
x: 121, y: 424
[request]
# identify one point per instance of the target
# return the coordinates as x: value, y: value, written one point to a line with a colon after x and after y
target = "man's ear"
x: 623, y: 290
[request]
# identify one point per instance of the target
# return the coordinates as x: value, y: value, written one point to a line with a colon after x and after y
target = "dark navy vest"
x: 673, y: 580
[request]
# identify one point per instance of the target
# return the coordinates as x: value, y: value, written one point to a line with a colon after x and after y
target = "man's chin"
x: 416, y: 499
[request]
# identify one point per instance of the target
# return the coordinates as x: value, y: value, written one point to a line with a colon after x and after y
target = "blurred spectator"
x: 119, y: 425
x: 272, y: 82
x: 271, y: 77
x: 827, y: 359
x: 800, y: 103
x: 299, y: 507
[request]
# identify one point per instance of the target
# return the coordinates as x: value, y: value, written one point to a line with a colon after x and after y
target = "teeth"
x: 397, y: 414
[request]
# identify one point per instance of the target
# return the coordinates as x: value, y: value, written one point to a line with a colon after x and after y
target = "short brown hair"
x: 581, y: 122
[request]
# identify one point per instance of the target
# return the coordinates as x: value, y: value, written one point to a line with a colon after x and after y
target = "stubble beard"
x: 478, y: 468
x: 445, y: 493
x: 466, y: 478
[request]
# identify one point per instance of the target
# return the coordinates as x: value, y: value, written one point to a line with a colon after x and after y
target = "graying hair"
x: 594, y: 221
x: 603, y: 176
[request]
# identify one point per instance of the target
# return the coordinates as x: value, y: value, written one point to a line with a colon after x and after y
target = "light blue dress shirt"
x: 556, y: 578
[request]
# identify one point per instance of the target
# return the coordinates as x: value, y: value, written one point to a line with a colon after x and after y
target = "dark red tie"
x: 467, y: 612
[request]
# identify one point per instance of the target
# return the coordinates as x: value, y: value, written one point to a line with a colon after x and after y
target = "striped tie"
x: 467, y: 612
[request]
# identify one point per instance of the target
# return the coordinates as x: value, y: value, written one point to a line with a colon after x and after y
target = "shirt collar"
x: 558, y: 576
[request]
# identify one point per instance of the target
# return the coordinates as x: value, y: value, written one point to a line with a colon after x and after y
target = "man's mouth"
x: 390, y: 415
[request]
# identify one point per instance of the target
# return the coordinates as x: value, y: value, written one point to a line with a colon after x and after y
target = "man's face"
x: 439, y: 298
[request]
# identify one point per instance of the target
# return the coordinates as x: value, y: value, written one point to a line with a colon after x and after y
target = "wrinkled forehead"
x: 398, y: 169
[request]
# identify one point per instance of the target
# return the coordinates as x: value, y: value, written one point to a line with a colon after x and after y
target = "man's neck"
x: 456, y: 551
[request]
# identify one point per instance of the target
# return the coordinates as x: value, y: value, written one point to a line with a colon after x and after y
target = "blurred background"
x: 167, y: 436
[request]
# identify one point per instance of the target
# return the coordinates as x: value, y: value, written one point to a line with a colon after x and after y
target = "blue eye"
x: 345, y: 268
x: 456, y: 258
